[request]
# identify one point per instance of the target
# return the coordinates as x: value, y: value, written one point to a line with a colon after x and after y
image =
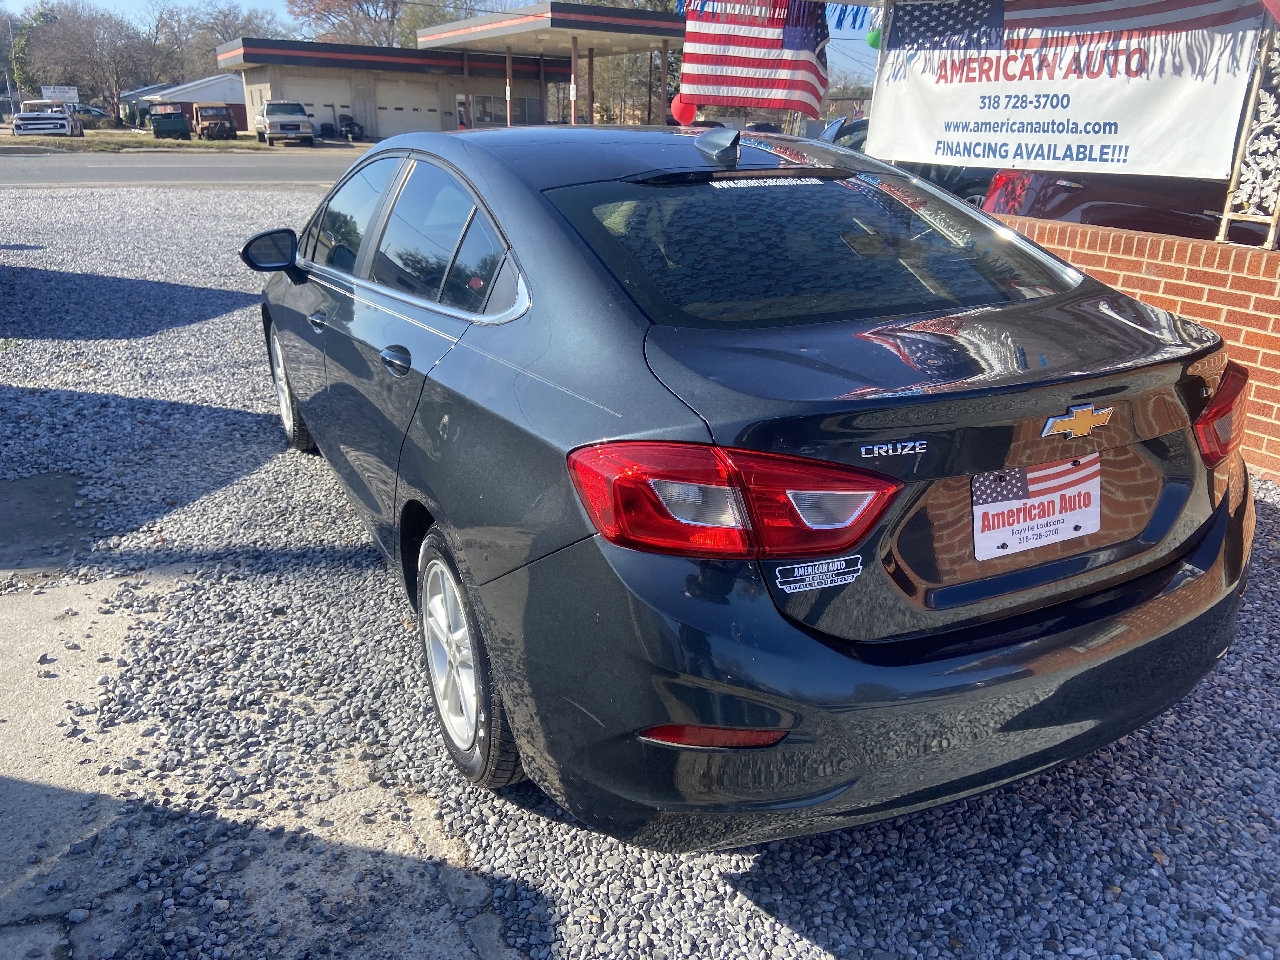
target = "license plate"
x: 1022, y: 508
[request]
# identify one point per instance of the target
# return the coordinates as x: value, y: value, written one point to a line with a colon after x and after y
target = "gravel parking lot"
x: 253, y: 769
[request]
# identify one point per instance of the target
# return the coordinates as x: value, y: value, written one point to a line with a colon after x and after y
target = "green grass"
x: 116, y: 141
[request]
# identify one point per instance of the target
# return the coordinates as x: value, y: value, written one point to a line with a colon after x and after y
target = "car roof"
x: 545, y: 157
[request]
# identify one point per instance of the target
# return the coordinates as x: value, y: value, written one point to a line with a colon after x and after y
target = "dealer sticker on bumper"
x: 819, y: 574
x: 1022, y: 508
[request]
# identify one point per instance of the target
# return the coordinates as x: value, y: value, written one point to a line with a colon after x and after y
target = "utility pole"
x: 7, y: 88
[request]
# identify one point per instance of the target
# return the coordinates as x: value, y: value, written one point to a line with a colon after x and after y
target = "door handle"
x: 318, y: 320
x: 397, y: 360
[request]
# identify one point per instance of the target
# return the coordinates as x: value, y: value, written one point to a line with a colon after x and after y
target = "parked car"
x: 47, y: 118
x: 1181, y: 206
x: 167, y: 121
x: 214, y: 121
x: 88, y: 112
x: 968, y: 183
x: 285, y: 120
x: 742, y: 487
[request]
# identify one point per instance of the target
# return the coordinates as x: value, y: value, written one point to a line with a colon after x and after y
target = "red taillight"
x: 691, y: 735
x: 1007, y: 191
x: 1220, y: 428
x: 702, y: 501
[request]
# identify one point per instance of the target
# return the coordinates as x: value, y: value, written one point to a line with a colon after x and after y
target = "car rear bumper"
x: 594, y: 643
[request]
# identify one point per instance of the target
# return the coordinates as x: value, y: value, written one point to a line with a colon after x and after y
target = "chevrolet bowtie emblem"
x: 1079, y: 421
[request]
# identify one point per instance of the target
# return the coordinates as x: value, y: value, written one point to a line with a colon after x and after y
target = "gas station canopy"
x: 549, y: 29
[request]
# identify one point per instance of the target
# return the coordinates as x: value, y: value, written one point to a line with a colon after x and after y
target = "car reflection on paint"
x: 729, y: 480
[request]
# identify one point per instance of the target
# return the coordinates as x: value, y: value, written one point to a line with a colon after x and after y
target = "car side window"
x: 307, y: 242
x: 339, y: 231
x: 421, y: 235
x: 471, y: 276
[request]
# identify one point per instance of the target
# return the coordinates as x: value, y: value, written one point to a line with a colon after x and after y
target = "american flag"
x: 768, y: 55
x: 982, y: 23
x: 1025, y: 483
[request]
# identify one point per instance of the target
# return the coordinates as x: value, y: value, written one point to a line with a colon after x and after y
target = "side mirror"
x: 271, y: 251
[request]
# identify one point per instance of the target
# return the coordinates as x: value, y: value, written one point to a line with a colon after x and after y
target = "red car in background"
x: 1179, y: 206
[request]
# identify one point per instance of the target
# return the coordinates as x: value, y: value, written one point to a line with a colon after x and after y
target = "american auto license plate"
x: 1022, y: 508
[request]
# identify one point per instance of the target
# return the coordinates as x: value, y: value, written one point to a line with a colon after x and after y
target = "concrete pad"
x: 44, y: 520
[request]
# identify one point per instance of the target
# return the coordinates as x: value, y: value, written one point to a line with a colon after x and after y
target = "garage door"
x: 405, y: 106
x: 324, y: 99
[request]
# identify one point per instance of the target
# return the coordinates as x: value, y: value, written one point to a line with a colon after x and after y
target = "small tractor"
x: 214, y: 121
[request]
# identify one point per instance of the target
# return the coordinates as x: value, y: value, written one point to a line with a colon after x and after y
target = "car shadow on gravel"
x: 96, y: 875
x: 100, y: 307
x: 164, y: 454
x: 166, y: 457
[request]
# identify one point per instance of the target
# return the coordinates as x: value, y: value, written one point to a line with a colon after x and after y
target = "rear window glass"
x: 758, y: 251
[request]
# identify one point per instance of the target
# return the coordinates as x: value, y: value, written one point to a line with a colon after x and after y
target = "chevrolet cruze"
x: 747, y: 487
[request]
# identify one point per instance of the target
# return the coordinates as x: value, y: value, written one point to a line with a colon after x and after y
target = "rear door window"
x: 422, y: 234
x: 471, y: 276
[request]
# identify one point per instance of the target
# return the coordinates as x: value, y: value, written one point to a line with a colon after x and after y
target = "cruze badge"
x: 899, y: 449
x: 1078, y: 421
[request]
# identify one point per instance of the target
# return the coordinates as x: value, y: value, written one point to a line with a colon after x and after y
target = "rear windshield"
x: 743, y: 250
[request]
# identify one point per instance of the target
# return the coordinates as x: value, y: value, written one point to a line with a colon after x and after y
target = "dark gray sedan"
x: 747, y: 487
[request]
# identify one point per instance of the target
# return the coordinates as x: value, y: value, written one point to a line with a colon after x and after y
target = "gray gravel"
x: 284, y: 659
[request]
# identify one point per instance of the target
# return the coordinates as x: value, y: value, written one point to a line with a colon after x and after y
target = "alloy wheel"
x: 450, y: 655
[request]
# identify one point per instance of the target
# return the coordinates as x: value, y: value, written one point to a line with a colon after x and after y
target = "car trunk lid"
x: 1045, y: 448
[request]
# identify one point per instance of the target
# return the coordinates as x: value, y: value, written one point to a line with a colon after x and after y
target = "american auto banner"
x: 1116, y: 86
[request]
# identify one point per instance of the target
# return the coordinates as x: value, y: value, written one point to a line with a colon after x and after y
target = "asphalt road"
x: 285, y: 166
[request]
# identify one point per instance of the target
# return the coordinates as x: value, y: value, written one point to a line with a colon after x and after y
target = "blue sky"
x: 848, y: 52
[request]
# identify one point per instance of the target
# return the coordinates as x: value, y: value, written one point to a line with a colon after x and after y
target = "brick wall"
x: 1233, y: 289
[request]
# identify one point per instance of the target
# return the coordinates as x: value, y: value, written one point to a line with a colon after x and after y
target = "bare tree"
x: 186, y: 38
x: 369, y: 22
x: 229, y: 21
x: 75, y: 43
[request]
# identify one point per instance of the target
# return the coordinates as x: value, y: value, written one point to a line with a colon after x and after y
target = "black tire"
x: 295, y: 430
x: 481, y: 745
x: 270, y: 142
x: 310, y: 141
x: 262, y: 138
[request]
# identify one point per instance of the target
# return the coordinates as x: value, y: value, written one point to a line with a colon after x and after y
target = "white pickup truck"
x: 284, y: 120
x: 47, y: 118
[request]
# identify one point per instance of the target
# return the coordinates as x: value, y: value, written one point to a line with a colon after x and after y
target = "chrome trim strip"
x: 518, y: 309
